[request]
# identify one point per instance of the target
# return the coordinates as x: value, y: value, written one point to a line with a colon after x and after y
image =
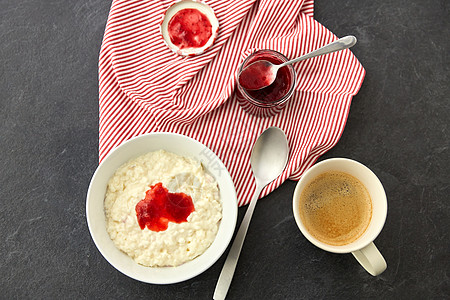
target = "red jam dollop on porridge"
x: 155, y: 234
x: 161, y: 207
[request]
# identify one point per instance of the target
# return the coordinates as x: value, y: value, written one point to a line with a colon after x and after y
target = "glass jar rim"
x: 261, y: 103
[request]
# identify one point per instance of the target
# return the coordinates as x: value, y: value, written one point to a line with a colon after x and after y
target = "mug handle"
x: 371, y: 259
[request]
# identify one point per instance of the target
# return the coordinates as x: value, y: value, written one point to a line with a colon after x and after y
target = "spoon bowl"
x: 269, y: 155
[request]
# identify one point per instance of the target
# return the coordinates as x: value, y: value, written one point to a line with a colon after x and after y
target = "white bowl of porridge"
x: 161, y: 208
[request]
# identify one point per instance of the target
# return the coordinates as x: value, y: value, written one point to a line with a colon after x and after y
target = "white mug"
x: 363, y: 249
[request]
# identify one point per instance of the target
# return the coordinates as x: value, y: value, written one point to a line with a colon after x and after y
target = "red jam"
x: 278, y: 89
x: 189, y: 28
x: 256, y: 76
x: 159, y: 207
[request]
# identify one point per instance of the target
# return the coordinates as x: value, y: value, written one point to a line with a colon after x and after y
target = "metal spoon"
x: 262, y: 73
x: 268, y: 159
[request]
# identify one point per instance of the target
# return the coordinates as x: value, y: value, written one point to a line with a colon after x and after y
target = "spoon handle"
x: 223, y: 284
x: 340, y: 44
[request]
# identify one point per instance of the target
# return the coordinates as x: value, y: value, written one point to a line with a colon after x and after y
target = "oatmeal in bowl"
x: 161, y: 208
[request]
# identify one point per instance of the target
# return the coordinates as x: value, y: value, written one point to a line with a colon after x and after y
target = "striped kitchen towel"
x: 145, y: 87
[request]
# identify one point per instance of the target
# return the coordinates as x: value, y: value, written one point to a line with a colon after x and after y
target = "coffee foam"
x: 335, y: 208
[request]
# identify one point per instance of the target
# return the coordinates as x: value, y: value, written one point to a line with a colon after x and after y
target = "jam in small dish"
x: 189, y: 27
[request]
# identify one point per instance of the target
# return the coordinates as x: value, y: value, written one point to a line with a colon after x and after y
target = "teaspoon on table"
x: 262, y: 73
x: 268, y: 159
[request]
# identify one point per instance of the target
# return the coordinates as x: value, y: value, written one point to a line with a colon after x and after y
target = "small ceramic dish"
x: 202, y: 9
x: 131, y: 149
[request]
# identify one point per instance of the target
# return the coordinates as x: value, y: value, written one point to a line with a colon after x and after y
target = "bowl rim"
x: 190, y: 269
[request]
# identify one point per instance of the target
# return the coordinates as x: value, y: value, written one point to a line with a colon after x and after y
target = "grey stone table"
x: 398, y: 126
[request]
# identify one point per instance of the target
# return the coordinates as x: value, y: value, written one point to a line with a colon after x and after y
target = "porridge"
x: 162, y: 209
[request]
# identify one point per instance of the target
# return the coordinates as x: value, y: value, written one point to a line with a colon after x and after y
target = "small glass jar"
x: 270, y: 100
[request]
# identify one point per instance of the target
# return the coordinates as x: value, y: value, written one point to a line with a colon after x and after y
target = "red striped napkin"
x: 144, y: 87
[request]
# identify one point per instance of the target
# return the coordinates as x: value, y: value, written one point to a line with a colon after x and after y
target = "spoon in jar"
x: 268, y: 159
x: 262, y: 73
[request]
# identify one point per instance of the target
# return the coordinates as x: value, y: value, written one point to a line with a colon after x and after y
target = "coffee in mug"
x: 340, y: 206
x: 335, y: 208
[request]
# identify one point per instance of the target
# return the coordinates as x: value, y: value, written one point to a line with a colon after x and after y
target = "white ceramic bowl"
x: 183, y: 4
x: 133, y: 148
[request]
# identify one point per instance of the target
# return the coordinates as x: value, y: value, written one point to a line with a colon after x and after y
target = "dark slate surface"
x: 398, y: 126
